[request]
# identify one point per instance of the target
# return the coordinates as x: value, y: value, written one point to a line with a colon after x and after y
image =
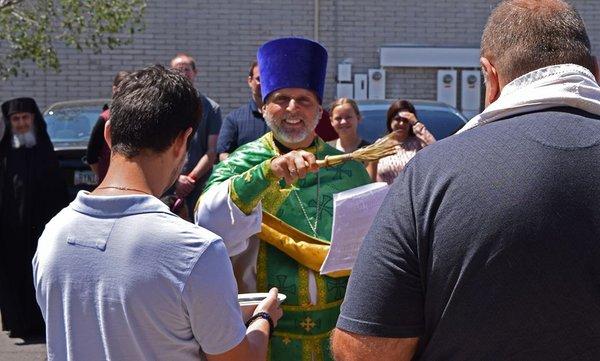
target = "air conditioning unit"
x: 360, y: 86
x: 470, y: 93
x: 344, y: 72
x: 446, y: 86
x: 344, y: 90
x: 376, y: 84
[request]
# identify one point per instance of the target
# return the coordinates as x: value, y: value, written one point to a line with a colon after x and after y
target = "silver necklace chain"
x: 314, y: 227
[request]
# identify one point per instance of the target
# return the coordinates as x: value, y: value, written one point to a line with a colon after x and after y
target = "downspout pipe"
x: 316, y: 22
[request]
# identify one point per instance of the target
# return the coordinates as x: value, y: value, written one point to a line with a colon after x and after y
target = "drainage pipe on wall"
x: 316, y: 30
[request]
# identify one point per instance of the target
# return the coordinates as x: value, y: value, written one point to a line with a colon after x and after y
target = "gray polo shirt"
x: 123, y: 278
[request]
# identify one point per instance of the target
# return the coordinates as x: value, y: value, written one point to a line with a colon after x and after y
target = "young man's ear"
x: 492, y: 81
x: 107, y: 138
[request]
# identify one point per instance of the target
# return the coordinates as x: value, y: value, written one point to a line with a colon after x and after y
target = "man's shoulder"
x: 562, y: 120
x: 180, y: 228
x: 460, y: 148
x: 206, y: 101
x: 239, y: 114
x: 151, y: 218
x: 169, y: 229
x: 62, y: 219
x: 547, y: 131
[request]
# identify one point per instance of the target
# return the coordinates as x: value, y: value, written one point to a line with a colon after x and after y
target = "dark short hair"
x: 150, y: 109
x: 524, y: 35
x: 253, y: 65
x: 119, y: 77
x: 396, y: 107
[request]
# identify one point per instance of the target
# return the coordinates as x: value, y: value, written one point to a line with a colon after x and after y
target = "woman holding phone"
x: 411, y: 135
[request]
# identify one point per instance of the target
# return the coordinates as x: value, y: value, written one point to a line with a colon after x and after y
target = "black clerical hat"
x: 19, y: 105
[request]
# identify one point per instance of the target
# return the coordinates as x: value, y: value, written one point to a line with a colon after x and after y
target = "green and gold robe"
x: 290, y: 252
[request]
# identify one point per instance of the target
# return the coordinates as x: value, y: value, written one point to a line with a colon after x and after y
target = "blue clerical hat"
x: 292, y: 63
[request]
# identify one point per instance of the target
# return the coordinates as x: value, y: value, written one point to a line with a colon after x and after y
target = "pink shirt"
x: 389, y: 167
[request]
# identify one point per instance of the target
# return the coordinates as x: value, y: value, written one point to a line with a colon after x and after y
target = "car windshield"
x: 439, y: 121
x: 72, y: 124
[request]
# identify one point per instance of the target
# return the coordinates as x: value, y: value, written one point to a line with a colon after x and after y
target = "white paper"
x: 353, y: 213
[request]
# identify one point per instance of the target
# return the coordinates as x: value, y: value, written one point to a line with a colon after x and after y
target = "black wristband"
x: 264, y: 316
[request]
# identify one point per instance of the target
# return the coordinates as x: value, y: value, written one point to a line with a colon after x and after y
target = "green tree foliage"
x: 30, y: 29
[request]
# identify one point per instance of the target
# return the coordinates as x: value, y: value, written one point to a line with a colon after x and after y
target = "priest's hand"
x: 293, y: 165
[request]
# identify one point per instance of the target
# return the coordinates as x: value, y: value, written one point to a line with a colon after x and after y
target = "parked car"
x: 69, y: 125
x: 440, y: 119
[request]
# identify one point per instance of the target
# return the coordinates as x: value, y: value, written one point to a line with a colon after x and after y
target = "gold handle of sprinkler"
x: 331, y: 160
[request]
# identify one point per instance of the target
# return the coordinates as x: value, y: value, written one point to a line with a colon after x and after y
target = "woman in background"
x: 345, y: 116
x: 409, y: 132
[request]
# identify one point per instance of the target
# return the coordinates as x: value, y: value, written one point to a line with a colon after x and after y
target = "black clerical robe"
x: 32, y: 192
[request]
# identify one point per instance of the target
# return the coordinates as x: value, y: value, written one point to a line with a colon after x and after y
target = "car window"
x: 72, y: 124
x: 440, y: 122
x: 372, y: 126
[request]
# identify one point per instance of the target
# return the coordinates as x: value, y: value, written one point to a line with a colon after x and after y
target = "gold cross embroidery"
x: 286, y: 340
x: 307, y: 324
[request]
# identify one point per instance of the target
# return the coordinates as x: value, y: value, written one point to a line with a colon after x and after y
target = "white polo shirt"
x: 123, y: 278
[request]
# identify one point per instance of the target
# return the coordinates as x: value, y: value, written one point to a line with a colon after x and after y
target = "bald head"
x: 186, y: 65
x: 524, y: 35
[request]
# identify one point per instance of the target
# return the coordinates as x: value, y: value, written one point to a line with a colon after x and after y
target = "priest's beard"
x: 24, y: 140
x: 290, y: 135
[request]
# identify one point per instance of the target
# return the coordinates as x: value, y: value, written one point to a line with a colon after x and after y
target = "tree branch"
x: 7, y: 3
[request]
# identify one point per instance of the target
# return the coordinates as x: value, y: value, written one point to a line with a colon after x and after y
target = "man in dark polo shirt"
x: 488, y: 244
x: 246, y: 123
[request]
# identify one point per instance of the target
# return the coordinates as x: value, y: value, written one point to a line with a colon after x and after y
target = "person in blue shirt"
x: 246, y: 123
x: 202, y: 150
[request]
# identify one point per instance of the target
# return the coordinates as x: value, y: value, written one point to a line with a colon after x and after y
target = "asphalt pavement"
x: 17, y: 349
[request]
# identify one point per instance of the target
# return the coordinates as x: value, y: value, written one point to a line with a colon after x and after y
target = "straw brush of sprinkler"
x: 381, y: 148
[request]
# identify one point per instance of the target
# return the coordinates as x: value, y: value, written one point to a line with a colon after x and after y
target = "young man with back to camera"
x: 118, y: 276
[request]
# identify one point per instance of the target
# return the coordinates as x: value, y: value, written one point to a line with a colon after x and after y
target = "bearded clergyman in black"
x: 32, y: 192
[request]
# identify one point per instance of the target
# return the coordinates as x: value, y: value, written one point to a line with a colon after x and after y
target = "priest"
x: 272, y: 205
x: 32, y: 192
